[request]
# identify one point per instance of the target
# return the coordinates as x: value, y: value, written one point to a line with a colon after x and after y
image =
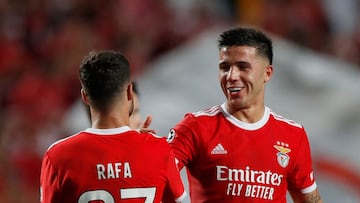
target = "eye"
x: 224, y: 67
x: 243, y: 66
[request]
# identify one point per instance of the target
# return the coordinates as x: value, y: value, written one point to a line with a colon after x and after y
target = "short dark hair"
x: 103, y: 75
x: 247, y: 37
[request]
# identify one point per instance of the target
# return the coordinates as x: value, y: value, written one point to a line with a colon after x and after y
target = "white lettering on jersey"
x: 234, y: 189
x: 249, y: 183
x: 259, y: 191
x: 223, y: 173
x: 113, y: 170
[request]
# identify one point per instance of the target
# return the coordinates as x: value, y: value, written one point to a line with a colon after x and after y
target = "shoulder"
x: 203, y: 115
x: 154, y: 140
x: 153, y: 137
x: 194, y: 120
x: 64, y: 142
x: 285, y: 121
x: 212, y: 111
x: 63, y: 148
x: 154, y: 146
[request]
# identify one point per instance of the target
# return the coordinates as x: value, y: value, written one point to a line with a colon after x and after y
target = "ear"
x: 268, y: 73
x: 84, y: 96
x: 130, y: 92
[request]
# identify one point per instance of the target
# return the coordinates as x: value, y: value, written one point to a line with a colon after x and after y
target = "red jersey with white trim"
x: 109, y: 165
x: 231, y: 161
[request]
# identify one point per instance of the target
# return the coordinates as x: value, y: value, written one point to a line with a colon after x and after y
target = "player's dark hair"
x: 247, y: 37
x: 103, y: 75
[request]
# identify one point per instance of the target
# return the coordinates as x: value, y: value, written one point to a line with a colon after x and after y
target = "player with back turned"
x: 241, y: 151
x: 109, y: 162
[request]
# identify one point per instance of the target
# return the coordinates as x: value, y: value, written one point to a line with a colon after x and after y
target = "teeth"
x: 234, y: 89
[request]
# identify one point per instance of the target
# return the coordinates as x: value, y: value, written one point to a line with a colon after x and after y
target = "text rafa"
x: 113, y: 170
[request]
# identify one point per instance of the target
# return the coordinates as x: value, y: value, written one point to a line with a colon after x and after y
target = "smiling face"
x: 242, y: 75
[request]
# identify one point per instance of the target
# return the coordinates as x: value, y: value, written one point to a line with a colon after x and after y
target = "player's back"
x: 110, y: 165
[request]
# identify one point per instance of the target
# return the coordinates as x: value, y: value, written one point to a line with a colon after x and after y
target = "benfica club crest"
x: 282, y: 157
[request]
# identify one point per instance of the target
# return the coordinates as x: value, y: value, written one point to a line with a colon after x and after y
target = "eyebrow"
x: 236, y: 62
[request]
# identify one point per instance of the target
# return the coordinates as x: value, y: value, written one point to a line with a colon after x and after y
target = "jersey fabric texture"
x: 231, y: 161
x: 109, y: 165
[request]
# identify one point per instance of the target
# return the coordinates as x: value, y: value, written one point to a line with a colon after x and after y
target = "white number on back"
x: 148, y: 193
x: 106, y: 197
x: 96, y: 195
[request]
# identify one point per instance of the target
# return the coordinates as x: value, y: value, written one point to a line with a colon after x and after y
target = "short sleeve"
x: 175, y: 183
x: 182, y: 139
x: 49, y: 187
x: 301, y: 177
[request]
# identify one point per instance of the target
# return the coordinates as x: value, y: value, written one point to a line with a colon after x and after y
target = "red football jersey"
x: 108, y: 166
x: 231, y: 161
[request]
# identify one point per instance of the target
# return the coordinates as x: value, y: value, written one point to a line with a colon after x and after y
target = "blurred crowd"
x: 330, y: 27
x: 42, y: 43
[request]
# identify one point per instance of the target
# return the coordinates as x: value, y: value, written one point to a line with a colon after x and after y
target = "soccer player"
x: 109, y: 162
x: 241, y: 151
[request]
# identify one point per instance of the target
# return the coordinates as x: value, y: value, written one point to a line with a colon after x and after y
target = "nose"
x: 233, y: 73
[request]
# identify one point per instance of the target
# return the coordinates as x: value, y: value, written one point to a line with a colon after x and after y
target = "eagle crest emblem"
x: 282, y: 154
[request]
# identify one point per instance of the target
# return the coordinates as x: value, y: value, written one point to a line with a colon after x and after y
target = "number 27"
x: 106, y: 197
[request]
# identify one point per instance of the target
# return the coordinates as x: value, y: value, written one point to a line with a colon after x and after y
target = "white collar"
x: 244, y: 125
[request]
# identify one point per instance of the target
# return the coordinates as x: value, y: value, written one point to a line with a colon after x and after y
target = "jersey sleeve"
x: 49, y: 187
x: 182, y: 140
x: 175, y: 184
x: 301, y: 178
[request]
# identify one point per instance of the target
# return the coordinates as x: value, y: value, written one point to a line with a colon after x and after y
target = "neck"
x: 248, y: 114
x: 109, y: 120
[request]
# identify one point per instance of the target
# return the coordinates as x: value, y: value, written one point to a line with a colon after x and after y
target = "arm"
x: 183, y: 139
x: 302, y: 186
x: 312, y: 197
x: 174, y: 190
x: 49, y: 188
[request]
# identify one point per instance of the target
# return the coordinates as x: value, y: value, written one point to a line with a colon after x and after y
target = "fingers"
x: 147, y: 130
x: 145, y: 126
x: 147, y: 122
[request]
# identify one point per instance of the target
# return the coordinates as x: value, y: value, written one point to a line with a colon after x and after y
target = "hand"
x: 144, y: 128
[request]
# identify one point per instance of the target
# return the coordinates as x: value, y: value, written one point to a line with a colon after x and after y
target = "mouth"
x: 234, y: 89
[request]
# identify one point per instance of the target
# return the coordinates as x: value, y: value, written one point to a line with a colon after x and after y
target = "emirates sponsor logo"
x: 224, y: 173
x: 248, y: 182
